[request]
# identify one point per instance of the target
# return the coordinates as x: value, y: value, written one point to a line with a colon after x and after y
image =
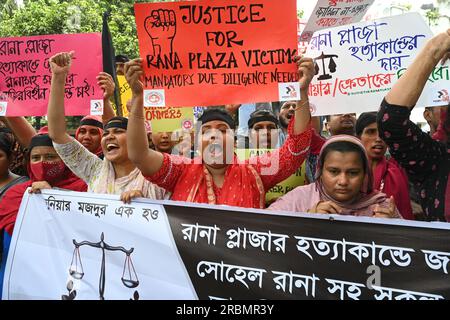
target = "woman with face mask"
x: 344, y: 185
x: 46, y: 171
x: 45, y: 168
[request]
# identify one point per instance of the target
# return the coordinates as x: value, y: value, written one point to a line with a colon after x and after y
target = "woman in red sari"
x: 217, y: 177
x: 388, y: 177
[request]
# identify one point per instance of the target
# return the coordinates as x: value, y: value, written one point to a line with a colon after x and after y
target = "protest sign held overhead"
x: 356, y: 65
x: 218, y: 52
x: 168, y: 250
x: 334, y: 13
x: 25, y: 74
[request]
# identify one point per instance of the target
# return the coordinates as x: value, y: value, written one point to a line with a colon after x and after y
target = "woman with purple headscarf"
x: 343, y: 185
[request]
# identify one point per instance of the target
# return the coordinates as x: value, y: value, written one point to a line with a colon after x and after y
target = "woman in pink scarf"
x: 343, y: 185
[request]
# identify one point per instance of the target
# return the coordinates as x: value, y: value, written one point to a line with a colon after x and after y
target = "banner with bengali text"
x: 356, y: 65
x: 94, y: 247
x: 25, y: 74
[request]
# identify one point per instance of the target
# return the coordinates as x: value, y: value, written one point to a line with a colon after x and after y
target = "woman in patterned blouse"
x: 116, y: 174
x: 426, y: 161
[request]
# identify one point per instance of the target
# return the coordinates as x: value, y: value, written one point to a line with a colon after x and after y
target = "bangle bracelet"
x: 301, y: 105
x: 135, y: 116
x: 296, y: 154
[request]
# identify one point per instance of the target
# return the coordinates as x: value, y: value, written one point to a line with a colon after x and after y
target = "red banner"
x: 203, y: 53
x: 25, y: 75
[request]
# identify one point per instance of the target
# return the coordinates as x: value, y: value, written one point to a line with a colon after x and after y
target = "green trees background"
x: 38, y: 17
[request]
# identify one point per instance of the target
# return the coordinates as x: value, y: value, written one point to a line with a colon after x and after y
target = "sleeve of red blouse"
x: 412, y: 148
x: 317, y: 141
x: 171, y: 170
x: 280, y: 164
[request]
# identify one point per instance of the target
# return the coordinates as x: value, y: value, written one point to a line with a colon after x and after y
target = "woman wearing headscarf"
x: 388, y: 176
x: 115, y: 174
x: 46, y: 170
x: 344, y: 185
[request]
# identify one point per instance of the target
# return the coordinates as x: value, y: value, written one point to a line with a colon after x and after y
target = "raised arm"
x: 407, y: 90
x: 302, y: 111
x: 106, y: 82
x: 412, y: 148
x: 283, y: 162
x: 146, y: 159
x: 60, y: 66
x: 21, y: 128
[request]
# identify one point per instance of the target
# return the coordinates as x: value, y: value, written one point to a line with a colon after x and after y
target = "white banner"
x: 333, y: 13
x: 93, y: 247
x: 75, y: 246
x: 356, y: 65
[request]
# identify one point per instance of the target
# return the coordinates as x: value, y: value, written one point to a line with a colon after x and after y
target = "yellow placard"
x: 125, y: 94
x: 296, y: 180
x: 168, y: 119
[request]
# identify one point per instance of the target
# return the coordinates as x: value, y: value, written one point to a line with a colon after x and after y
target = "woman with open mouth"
x: 115, y: 174
x: 216, y: 176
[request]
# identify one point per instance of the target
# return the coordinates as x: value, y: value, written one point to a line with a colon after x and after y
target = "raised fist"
x: 161, y: 26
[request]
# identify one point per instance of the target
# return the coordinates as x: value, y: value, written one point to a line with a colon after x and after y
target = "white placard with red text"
x: 334, y: 13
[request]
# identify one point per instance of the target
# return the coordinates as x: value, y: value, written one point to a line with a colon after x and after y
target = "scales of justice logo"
x: 331, y: 68
x: 129, y: 276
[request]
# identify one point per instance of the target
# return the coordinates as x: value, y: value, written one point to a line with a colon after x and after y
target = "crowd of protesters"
x: 379, y: 164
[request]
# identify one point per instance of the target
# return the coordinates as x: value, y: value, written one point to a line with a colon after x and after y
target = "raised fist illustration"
x: 161, y: 26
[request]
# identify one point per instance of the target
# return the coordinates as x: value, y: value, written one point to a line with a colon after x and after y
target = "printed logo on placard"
x: 3, y: 108
x: 96, y: 107
x: 443, y: 96
x: 154, y: 98
x: 289, y: 91
x: 188, y: 124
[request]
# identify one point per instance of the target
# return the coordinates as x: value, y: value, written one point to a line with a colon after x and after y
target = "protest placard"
x: 204, y: 53
x: 356, y: 65
x: 334, y: 13
x: 125, y: 94
x: 25, y: 74
x: 168, y: 250
x: 168, y: 119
